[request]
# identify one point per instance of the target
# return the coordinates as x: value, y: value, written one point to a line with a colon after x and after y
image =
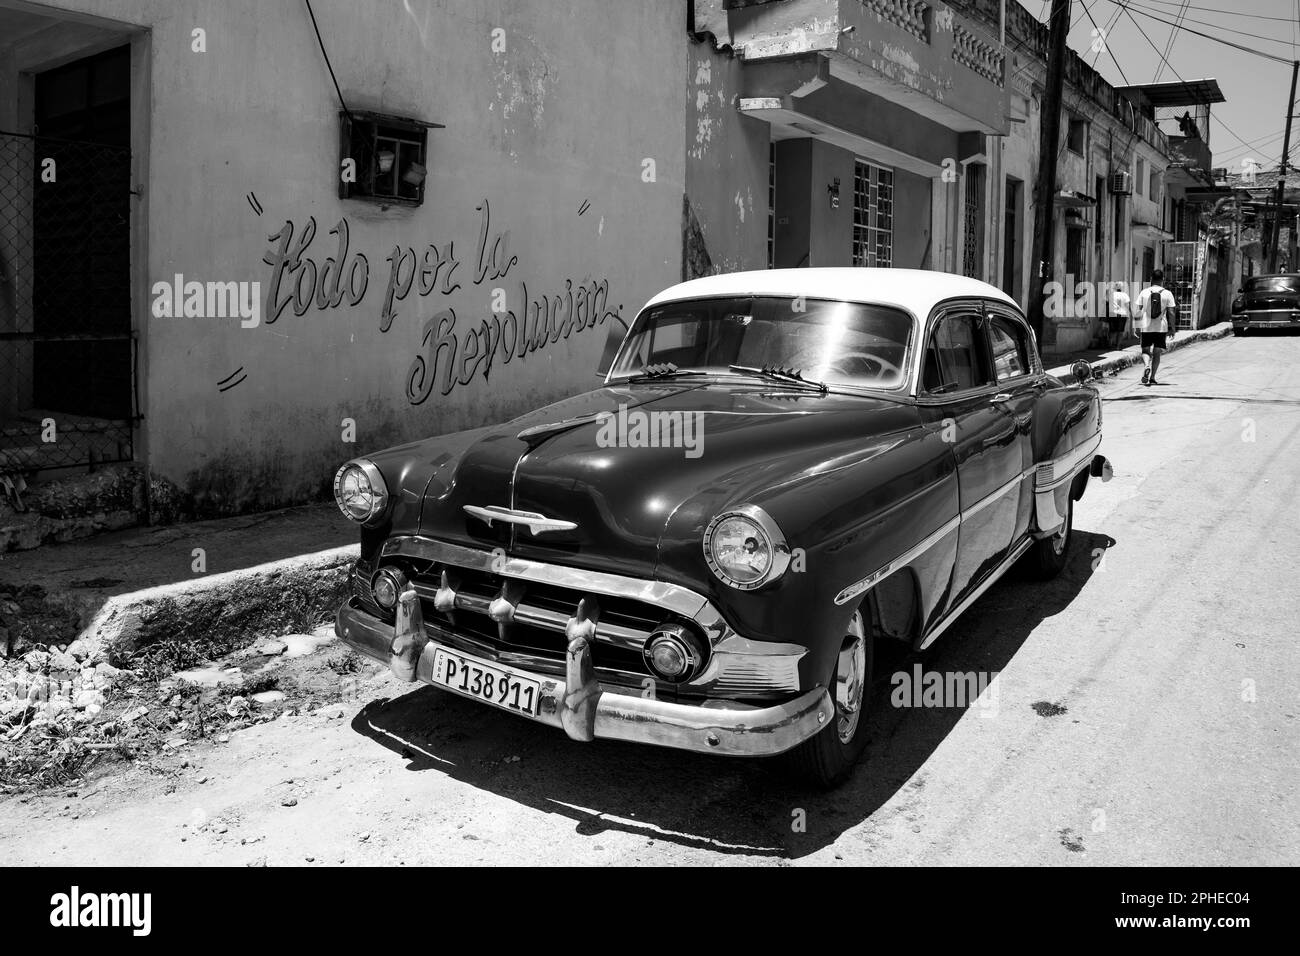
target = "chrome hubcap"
x: 850, y: 680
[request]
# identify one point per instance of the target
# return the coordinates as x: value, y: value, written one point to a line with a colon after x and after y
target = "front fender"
x: 1066, y: 436
x: 852, y: 512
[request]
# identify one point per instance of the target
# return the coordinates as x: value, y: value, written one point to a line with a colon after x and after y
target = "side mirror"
x: 1082, y: 372
x: 613, y: 339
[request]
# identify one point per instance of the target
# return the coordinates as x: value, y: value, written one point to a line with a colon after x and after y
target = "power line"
x: 1217, y: 26
x: 321, y: 44
x: 1237, y: 46
x: 1101, y: 36
x: 1169, y: 43
x: 1226, y: 127
x: 1226, y: 13
x: 1110, y: 24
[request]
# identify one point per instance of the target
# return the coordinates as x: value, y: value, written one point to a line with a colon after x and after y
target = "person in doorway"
x: 1121, y: 314
x: 1154, y: 322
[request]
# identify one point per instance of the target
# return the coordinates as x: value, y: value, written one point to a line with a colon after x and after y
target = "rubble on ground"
x: 62, y: 715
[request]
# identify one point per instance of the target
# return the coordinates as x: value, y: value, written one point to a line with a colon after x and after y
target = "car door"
x: 958, y: 395
x: 1020, y: 380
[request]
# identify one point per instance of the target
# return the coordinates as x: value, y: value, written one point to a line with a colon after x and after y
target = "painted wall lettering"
x: 448, y: 354
x: 449, y: 358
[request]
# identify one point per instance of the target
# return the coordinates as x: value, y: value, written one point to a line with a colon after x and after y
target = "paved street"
x: 1147, y: 710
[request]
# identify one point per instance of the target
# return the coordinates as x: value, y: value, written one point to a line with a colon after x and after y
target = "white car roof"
x: 916, y: 290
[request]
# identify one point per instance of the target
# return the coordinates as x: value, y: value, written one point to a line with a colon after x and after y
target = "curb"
x: 1113, y: 362
x: 255, y: 602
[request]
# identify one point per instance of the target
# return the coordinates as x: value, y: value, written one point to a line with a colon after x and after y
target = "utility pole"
x: 1049, y: 135
x: 1281, y: 173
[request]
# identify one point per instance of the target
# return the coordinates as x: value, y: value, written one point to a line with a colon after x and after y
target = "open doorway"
x: 66, y: 341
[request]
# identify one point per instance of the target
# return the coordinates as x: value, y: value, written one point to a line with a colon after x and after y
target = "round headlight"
x: 745, y: 549
x: 360, y: 491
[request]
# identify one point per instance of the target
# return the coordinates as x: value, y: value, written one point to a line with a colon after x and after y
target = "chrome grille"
x: 523, y: 622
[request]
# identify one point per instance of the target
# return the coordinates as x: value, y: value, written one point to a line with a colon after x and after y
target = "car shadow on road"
x: 717, y: 804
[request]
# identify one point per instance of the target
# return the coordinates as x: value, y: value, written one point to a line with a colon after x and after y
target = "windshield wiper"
x: 662, y: 370
x: 781, y: 375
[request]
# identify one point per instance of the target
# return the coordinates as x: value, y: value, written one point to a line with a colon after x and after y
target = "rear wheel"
x: 828, y: 758
x: 1047, y: 557
x: 1239, y: 331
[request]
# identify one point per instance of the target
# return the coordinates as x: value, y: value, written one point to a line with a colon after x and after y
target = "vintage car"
x: 1267, y: 302
x: 781, y: 469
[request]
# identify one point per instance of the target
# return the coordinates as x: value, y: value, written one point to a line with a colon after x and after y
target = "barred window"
x: 873, y: 215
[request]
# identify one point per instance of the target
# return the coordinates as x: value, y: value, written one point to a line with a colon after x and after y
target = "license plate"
x: 482, y: 681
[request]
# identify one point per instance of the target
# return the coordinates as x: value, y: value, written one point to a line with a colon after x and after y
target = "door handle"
x: 1001, y: 397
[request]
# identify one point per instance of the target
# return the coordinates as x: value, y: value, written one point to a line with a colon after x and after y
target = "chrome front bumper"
x: 585, y: 710
x: 1266, y: 320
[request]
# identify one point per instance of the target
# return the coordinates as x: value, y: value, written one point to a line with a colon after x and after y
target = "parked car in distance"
x: 872, y: 449
x: 1267, y: 302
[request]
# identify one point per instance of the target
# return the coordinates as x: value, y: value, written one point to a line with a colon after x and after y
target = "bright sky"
x: 1255, y: 87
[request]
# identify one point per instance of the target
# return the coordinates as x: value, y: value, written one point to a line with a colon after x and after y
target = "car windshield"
x: 1274, y: 284
x: 838, y: 343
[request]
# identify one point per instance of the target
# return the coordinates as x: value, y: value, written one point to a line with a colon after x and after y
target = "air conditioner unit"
x: 1121, y: 184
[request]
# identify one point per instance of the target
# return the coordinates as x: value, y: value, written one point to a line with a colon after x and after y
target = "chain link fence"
x: 67, y: 351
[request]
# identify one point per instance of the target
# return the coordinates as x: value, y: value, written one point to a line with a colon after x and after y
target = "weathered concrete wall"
x: 832, y: 228
x: 545, y: 158
x: 913, y: 248
x: 726, y: 162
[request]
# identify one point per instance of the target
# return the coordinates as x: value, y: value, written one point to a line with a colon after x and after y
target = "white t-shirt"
x: 1119, y: 303
x: 1142, y: 321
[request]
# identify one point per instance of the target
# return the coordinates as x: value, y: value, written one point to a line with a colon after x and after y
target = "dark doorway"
x: 81, y: 301
x: 1011, y: 240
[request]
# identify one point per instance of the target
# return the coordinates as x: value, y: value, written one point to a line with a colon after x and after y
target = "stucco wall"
x: 912, y: 246
x: 726, y: 162
x: 551, y: 135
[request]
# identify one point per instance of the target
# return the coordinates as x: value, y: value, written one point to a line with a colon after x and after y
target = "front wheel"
x: 828, y: 758
x: 1239, y: 331
x: 1047, y: 557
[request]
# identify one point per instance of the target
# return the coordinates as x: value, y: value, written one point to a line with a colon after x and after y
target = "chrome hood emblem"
x: 534, y: 522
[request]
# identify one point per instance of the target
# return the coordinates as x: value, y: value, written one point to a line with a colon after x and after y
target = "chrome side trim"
x: 536, y: 523
x: 875, y: 577
x: 971, y: 598
x: 907, y: 557
x: 995, y: 495
x: 1057, y: 471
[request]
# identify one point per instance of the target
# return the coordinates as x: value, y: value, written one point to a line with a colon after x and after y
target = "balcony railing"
x: 985, y: 58
x: 907, y: 15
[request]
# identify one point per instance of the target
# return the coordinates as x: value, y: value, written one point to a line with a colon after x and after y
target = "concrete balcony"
x: 922, y: 55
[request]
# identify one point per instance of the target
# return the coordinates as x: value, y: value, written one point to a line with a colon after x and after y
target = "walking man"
x: 1121, y: 315
x: 1154, y: 321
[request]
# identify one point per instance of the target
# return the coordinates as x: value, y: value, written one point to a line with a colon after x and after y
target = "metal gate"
x: 67, y: 349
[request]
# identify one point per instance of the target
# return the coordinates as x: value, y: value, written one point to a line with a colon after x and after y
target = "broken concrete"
x: 252, y: 603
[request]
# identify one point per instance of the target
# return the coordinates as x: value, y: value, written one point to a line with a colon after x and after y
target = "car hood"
x: 620, y: 483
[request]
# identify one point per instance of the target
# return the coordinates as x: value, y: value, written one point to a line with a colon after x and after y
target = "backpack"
x: 1156, y: 308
